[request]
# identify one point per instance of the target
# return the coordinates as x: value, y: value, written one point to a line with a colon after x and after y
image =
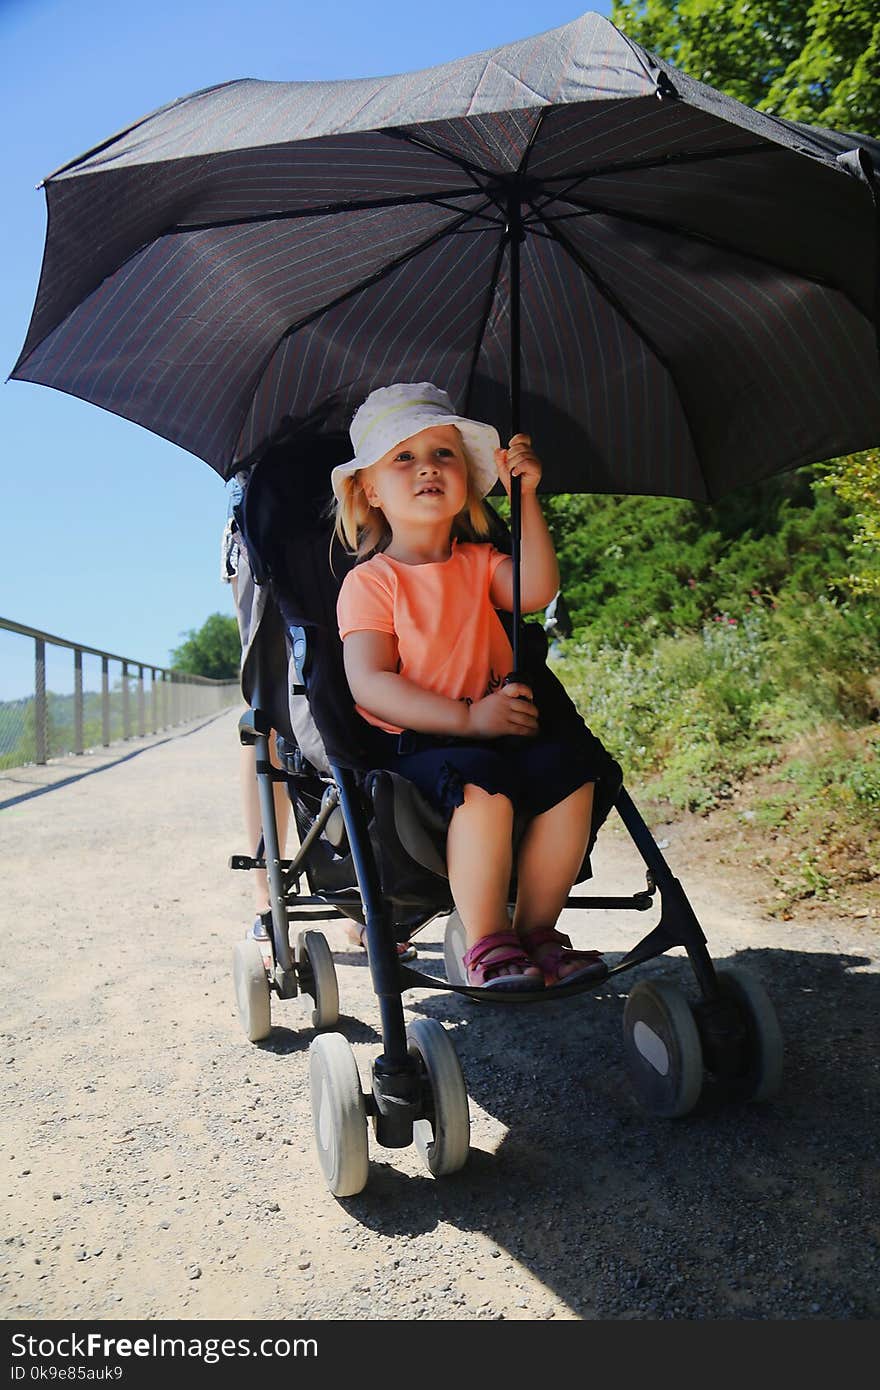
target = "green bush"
x: 633, y: 568
x: 694, y: 714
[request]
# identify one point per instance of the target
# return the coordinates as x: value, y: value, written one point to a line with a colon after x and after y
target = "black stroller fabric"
x: 288, y: 530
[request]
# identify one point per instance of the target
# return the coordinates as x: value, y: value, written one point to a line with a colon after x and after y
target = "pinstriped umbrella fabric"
x: 698, y: 282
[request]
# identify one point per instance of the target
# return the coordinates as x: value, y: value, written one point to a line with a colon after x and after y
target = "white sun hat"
x: 391, y: 414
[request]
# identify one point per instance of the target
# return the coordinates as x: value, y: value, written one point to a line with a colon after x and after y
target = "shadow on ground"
x: 745, y: 1211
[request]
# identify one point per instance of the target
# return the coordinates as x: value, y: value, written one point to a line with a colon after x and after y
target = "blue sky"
x: 111, y: 534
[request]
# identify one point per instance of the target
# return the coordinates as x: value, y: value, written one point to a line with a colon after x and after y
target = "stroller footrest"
x: 639, y: 902
x: 315, y: 916
x: 245, y: 861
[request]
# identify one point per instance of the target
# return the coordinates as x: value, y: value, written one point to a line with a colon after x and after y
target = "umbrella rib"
x: 377, y: 275
x: 371, y: 280
x: 479, y: 216
x: 610, y: 297
x: 476, y: 172
x: 326, y: 210
x: 660, y: 162
x: 398, y: 133
x: 490, y: 298
x: 531, y: 141
x: 496, y: 269
x: 687, y: 234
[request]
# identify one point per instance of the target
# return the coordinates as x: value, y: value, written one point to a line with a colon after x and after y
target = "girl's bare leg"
x: 550, y: 854
x: 479, y: 859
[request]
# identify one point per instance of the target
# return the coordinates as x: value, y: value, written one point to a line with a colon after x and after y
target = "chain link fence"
x: 79, y: 698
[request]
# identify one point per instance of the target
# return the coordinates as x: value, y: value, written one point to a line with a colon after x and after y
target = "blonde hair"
x: 363, y: 529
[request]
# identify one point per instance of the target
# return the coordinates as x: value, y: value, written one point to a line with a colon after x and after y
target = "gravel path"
x: 157, y: 1165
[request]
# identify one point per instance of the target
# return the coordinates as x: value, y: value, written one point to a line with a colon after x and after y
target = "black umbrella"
x: 674, y: 293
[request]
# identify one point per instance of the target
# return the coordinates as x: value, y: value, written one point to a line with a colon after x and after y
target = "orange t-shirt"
x: 449, y: 637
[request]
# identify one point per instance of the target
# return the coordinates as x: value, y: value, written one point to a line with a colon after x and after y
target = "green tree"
x: 856, y: 479
x: 214, y: 650
x: 816, y: 61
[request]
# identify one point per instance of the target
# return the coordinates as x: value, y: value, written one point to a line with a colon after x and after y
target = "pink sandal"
x: 510, y: 952
x: 594, y: 967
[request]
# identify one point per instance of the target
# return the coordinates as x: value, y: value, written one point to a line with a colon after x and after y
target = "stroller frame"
x: 396, y: 1099
x: 389, y: 874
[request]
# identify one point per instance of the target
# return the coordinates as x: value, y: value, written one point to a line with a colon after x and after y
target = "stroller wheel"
x: 454, y: 947
x: 443, y: 1136
x: 339, y: 1114
x: 251, y: 989
x: 317, y: 977
x: 663, y: 1052
x: 761, y: 1077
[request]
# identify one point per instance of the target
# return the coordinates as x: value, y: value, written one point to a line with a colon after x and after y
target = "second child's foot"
x: 262, y: 926
x: 499, y: 962
x: 357, y: 936
x: 559, y: 962
x: 261, y: 932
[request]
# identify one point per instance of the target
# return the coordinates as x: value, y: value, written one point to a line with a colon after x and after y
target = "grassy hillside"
x: 776, y: 711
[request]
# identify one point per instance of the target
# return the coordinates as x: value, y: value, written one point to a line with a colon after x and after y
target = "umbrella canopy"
x: 697, y: 296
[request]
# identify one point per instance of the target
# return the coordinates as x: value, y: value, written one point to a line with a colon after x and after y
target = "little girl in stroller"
x: 429, y: 664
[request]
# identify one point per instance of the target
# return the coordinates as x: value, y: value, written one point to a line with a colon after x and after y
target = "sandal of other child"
x: 558, y: 951
x: 504, y: 948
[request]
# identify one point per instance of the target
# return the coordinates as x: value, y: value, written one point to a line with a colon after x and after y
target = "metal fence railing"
x: 81, y: 698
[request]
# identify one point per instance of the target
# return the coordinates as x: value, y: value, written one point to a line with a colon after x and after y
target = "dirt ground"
x: 157, y: 1165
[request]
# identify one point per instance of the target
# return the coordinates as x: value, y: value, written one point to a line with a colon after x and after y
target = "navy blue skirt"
x: 533, y: 773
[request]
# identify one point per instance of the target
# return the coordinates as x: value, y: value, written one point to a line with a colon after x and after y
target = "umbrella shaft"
x: 514, y: 238
x: 516, y: 556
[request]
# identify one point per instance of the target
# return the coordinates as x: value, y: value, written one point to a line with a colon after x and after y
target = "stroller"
x: 372, y: 850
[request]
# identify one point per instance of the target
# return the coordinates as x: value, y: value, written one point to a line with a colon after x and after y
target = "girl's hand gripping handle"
x: 509, y: 710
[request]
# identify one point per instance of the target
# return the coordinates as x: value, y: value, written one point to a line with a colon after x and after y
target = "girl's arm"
x: 371, y: 668
x: 539, y: 569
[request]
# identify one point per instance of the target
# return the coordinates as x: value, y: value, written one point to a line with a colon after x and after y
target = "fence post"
x: 142, y: 727
x: 77, y: 700
x: 41, y: 713
x: 105, y: 701
x: 154, y: 725
x: 126, y: 712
